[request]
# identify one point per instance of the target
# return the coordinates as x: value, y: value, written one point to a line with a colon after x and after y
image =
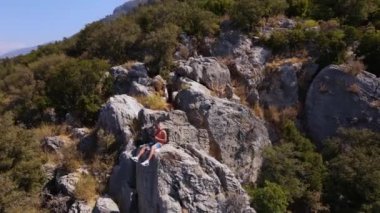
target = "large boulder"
x: 206, y: 71
x: 280, y: 87
x: 118, y: 115
x: 187, y: 180
x: 337, y: 99
x: 237, y: 137
x: 105, y: 205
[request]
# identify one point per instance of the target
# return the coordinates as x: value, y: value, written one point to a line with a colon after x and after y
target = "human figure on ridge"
x: 160, y: 139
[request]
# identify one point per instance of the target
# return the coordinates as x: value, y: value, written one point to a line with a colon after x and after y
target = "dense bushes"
x: 354, y: 171
x: 297, y: 169
x: 370, y: 48
x: 21, y: 176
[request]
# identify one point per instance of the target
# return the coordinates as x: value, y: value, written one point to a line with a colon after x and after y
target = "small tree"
x: 271, y: 198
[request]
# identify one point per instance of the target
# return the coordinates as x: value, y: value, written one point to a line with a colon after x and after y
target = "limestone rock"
x: 186, y: 180
x: 237, y: 137
x: 248, y: 60
x: 206, y: 71
x: 118, y: 115
x: 80, y: 207
x: 179, y: 130
x: 105, y: 205
x: 337, y: 99
x: 280, y: 88
x: 67, y: 183
x: 53, y: 144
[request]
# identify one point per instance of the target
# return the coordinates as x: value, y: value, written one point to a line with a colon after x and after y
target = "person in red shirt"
x: 160, y: 139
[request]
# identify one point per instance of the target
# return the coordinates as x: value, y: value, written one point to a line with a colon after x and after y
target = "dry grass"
x: 155, y: 102
x: 276, y: 115
x: 86, y: 188
x: 354, y: 88
x: 354, y: 67
x: 278, y: 61
x: 375, y: 104
x: 258, y: 111
x: 50, y: 130
x: 128, y: 65
x: 240, y: 91
x: 72, y: 159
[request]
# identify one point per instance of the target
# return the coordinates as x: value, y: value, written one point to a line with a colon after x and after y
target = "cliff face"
x: 181, y: 177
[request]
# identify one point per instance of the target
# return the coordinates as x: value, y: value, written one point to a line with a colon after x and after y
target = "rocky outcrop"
x: 337, y: 99
x: 236, y: 136
x: 248, y: 61
x: 53, y: 144
x: 105, y: 205
x: 186, y: 180
x: 80, y: 207
x: 206, y: 71
x: 180, y: 179
x: 67, y: 183
x: 118, y: 115
x: 280, y: 87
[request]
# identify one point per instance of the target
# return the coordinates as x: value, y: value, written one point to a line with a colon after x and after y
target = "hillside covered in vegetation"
x: 284, y: 90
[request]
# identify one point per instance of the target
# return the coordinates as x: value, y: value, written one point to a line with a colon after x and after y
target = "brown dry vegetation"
x: 86, y: 188
x: 354, y: 88
x: 155, y: 102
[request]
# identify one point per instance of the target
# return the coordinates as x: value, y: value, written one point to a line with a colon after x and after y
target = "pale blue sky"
x: 26, y: 23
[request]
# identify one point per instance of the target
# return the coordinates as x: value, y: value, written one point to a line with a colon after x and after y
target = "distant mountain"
x: 18, y: 52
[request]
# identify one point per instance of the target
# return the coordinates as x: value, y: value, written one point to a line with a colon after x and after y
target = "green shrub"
x: 296, y: 167
x: 370, y: 48
x: 352, y: 184
x: 278, y: 41
x: 20, y: 167
x: 270, y: 199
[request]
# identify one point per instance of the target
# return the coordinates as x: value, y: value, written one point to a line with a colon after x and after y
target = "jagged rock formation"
x: 237, y: 137
x: 248, y: 61
x: 182, y: 176
x: 206, y: 71
x: 117, y: 116
x: 337, y: 99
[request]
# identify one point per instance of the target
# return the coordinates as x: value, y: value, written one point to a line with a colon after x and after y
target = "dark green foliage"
x: 20, y: 167
x: 300, y: 8
x: 331, y: 47
x: 296, y: 167
x: 247, y: 13
x: 354, y: 171
x: 77, y: 86
x: 370, y: 48
x: 219, y: 7
x: 270, y: 199
x: 109, y: 40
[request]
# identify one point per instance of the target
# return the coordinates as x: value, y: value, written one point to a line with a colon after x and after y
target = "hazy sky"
x: 26, y: 23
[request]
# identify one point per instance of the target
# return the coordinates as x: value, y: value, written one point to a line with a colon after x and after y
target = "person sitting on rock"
x: 160, y: 139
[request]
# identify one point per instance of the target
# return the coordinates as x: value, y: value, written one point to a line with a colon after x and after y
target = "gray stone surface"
x: 186, y: 180
x: 237, y: 137
x: 248, y: 61
x: 105, y: 205
x: 80, y: 207
x: 53, y: 144
x: 336, y: 99
x: 207, y: 71
x: 67, y: 183
x: 280, y: 88
x: 117, y: 116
